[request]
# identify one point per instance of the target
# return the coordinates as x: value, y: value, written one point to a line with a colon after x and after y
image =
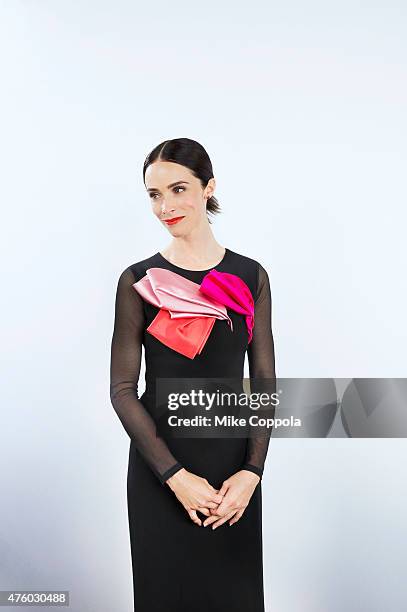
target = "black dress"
x: 179, y: 566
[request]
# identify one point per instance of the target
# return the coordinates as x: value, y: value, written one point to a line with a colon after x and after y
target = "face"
x: 175, y: 193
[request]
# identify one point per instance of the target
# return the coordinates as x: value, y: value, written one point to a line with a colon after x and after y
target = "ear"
x: 210, y: 188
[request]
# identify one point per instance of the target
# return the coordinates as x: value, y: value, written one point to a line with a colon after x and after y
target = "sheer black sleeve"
x: 260, y: 354
x: 126, y: 350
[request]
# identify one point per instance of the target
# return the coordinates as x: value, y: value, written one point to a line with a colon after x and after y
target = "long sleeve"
x: 126, y: 351
x: 260, y: 354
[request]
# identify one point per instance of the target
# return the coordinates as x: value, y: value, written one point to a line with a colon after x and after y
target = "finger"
x: 216, y: 492
x: 216, y: 498
x: 194, y: 517
x: 226, y: 507
x: 211, y: 519
x: 237, y: 516
x: 224, y: 488
x: 205, y: 511
x: 215, y: 516
x: 213, y: 504
x: 223, y: 520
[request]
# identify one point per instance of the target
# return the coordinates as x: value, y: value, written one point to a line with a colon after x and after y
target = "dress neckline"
x: 187, y: 269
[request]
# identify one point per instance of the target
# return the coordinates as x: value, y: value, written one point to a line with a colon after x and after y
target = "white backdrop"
x: 301, y: 107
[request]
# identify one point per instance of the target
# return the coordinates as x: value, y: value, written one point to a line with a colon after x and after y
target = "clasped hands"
x: 226, y: 504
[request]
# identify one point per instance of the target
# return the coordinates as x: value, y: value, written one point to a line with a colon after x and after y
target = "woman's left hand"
x: 237, y: 491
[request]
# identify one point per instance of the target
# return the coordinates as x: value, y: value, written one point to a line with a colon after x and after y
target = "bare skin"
x: 194, y: 247
x: 193, y: 244
x: 237, y: 491
x: 227, y: 504
x: 194, y: 493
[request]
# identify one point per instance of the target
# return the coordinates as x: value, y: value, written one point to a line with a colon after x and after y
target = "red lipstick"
x: 173, y: 220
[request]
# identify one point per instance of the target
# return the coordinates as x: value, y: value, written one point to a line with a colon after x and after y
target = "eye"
x: 153, y: 195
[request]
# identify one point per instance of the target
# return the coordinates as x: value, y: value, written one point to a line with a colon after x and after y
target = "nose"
x: 164, y: 207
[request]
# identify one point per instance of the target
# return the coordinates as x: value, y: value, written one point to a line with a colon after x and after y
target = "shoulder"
x: 246, y: 261
x: 247, y: 268
x: 136, y: 270
x: 252, y: 270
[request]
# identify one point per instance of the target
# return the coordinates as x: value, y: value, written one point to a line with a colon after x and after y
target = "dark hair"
x: 191, y: 154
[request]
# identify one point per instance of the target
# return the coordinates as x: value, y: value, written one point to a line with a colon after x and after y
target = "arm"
x: 260, y: 353
x: 239, y: 487
x: 126, y: 348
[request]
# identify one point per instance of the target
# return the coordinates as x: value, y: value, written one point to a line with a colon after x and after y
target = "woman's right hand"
x: 194, y: 493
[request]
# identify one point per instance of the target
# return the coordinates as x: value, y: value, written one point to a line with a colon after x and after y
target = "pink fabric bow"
x: 233, y: 292
x: 180, y: 296
x: 186, y: 315
x: 188, y: 310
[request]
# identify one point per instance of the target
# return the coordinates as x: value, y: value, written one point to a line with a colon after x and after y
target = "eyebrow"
x: 168, y: 186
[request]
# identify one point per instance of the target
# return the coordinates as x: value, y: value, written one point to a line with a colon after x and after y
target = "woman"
x: 185, y: 493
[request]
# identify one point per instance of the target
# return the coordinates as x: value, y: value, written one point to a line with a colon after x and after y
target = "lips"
x: 173, y: 221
